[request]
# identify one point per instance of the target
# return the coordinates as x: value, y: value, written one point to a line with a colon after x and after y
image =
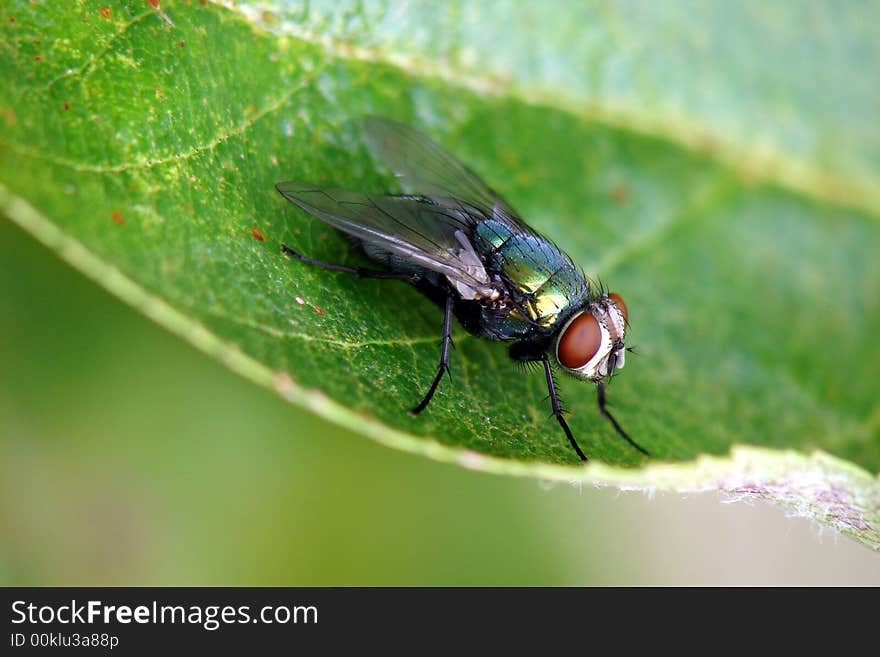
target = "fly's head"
x: 591, y: 344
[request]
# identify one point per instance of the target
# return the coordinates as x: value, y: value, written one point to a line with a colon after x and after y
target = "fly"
x: 464, y: 247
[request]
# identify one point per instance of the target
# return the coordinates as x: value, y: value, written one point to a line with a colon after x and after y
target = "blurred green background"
x: 127, y: 458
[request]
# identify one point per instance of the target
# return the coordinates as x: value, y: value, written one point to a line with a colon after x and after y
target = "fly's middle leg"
x: 443, y: 368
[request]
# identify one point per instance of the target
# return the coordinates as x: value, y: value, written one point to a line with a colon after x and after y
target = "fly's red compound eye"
x: 618, y: 301
x: 580, y: 342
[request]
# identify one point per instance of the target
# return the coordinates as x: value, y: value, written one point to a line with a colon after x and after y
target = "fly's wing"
x: 429, y: 234
x: 423, y: 167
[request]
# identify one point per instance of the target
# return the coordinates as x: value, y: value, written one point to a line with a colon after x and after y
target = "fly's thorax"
x: 541, y: 280
x: 591, y: 343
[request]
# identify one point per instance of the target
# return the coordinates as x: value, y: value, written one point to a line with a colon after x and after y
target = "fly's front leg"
x: 604, y: 411
x: 356, y: 271
x: 556, y: 403
x: 533, y: 353
x: 443, y: 368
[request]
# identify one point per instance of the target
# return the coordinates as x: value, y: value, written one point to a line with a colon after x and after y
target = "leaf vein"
x: 308, y: 337
x: 135, y: 165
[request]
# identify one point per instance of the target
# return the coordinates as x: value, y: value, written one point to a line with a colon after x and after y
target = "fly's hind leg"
x: 360, y: 272
x: 443, y: 368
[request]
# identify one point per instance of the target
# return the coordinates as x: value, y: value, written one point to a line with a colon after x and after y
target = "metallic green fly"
x: 464, y: 247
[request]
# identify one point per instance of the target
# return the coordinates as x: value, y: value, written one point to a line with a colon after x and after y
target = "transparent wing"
x: 424, y: 167
x: 419, y: 230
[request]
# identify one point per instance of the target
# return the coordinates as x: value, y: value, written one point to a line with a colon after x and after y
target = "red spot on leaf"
x: 105, y: 12
x: 66, y: 106
x: 38, y: 58
x: 118, y: 218
x: 154, y: 4
x: 319, y: 310
x: 258, y: 235
x: 181, y: 43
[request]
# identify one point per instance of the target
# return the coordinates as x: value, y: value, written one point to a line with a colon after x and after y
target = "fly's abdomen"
x: 388, y: 258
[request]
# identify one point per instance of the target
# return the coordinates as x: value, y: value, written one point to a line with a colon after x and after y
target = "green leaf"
x: 719, y: 171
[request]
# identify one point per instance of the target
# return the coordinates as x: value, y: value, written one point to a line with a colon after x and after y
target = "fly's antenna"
x: 612, y: 367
